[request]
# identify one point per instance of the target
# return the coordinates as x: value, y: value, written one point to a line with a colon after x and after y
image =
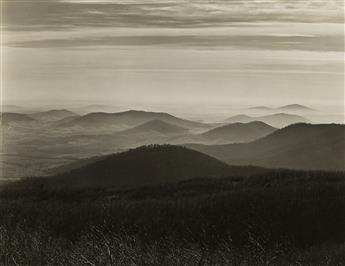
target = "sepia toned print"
x: 172, y: 132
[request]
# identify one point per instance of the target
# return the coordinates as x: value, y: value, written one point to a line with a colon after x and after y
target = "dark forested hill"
x: 148, y: 165
x: 299, y: 146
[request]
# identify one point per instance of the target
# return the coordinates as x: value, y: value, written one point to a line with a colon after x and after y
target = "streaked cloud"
x: 307, y: 43
x: 165, y: 13
x: 176, y: 50
x: 276, y: 36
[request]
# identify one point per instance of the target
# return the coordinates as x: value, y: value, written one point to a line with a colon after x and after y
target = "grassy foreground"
x: 276, y: 218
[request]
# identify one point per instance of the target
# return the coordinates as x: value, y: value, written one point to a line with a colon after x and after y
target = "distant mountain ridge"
x: 299, y: 146
x: 128, y: 119
x: 295, y: 107
x: 95, y: 108
x: 275, y: 120
x: 289, y: 107
x: 263, y: 108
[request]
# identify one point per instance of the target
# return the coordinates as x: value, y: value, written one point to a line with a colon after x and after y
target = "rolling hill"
x: 275, y: 120
x: 8, y: 118
x: 129, y: 119
x: 299, y: 146
x: 147, y: 165
x: 53, y: 115
x: 238, y: 132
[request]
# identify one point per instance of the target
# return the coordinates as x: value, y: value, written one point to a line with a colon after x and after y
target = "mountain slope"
x: 53, y: 115
x: 129, y: 119
x: 299, y: 146
x: 239, y: 132
x: 7, y: 118
x: 276, y: 120
x: 148, y: 165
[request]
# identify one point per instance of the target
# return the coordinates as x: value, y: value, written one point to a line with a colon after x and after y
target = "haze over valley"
x: 38, y: 142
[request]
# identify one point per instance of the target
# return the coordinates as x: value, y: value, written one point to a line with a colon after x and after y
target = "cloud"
x: 165, y: 13
x: 307, y: 43
x: 267, y: 36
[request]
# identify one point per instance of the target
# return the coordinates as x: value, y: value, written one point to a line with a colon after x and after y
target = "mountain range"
x: 275, y: 120
x: 288, y: 108
x: 299, y: 146
x: 128, y: 119
x: 160, y: 132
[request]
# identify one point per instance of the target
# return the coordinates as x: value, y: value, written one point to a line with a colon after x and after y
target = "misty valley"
x: 47, y: 142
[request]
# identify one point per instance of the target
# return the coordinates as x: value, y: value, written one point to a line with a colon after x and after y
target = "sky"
x: 252, y: 52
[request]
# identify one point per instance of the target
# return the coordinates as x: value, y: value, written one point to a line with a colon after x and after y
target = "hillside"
x: 53, y: 115
x: 129, y: 119
x: 275, y: 120
x: 299, y: 146
x: 147, y: 165
x: 239, y: 132
x: 7, y: 118
x: 276, y: 218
